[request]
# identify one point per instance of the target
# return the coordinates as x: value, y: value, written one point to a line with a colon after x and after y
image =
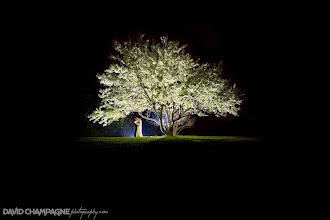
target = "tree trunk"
x: 169, y: 130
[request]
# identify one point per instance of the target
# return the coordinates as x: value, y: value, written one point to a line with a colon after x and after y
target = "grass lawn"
x: 128, y: 164
x: 161, y: 141
x: 129, y: 171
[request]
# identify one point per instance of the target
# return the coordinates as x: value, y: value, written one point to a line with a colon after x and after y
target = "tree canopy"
x: 162, y: 78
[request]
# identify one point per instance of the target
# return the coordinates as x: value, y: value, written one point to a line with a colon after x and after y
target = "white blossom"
x: 166, y: 80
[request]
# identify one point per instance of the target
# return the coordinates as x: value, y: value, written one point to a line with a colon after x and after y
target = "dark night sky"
x: 82, y: 47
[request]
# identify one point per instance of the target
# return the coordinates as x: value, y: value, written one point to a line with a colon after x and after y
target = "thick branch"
x: 154, y: 108
x: 147, y: 118
x: 175, y: 127
x: 181, y: 128
x: 186, y: 110
x: 173, y: 112
x: 145, y: 92
x: 182, y: 115
x: 161, y: 119
x: 168, y: 119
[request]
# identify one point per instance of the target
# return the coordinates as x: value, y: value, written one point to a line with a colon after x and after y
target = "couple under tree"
x: 138, y: 127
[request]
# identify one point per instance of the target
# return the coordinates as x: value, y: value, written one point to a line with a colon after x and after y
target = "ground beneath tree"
x: 172, y: 176
x: 161, y: 143
x: 160, y: 149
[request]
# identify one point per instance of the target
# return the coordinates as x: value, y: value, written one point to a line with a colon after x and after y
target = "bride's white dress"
x: 138, y: 129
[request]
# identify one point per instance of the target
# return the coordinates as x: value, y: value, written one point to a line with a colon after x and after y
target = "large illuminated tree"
x: 162, y: 78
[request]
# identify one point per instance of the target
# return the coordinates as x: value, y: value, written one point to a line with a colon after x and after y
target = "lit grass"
x: 154, y: 141
x: 144, y: 140
x: 117, y: 141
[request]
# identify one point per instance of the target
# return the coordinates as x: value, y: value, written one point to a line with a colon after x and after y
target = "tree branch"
x: 168, y: 119
x: 182, y: 115
x: 147, y: 118
x: 186, y: 110
x: 184, y: 126
x: 181, y: 128
x: 145, y: 92
x: 161, y: 120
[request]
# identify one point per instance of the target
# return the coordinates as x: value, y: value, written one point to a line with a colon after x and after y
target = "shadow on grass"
x: 161, y: 144
x: 155, y: 149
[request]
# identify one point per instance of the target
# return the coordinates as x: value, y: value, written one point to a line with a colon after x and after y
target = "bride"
x: 138, y: 127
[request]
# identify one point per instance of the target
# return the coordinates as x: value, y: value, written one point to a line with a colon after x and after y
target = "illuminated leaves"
x: 161, y: 76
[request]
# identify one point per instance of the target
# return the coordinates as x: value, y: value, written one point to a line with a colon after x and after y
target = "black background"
x: 259, y: 46
x: 245, y: 182
x: 242, y: 182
